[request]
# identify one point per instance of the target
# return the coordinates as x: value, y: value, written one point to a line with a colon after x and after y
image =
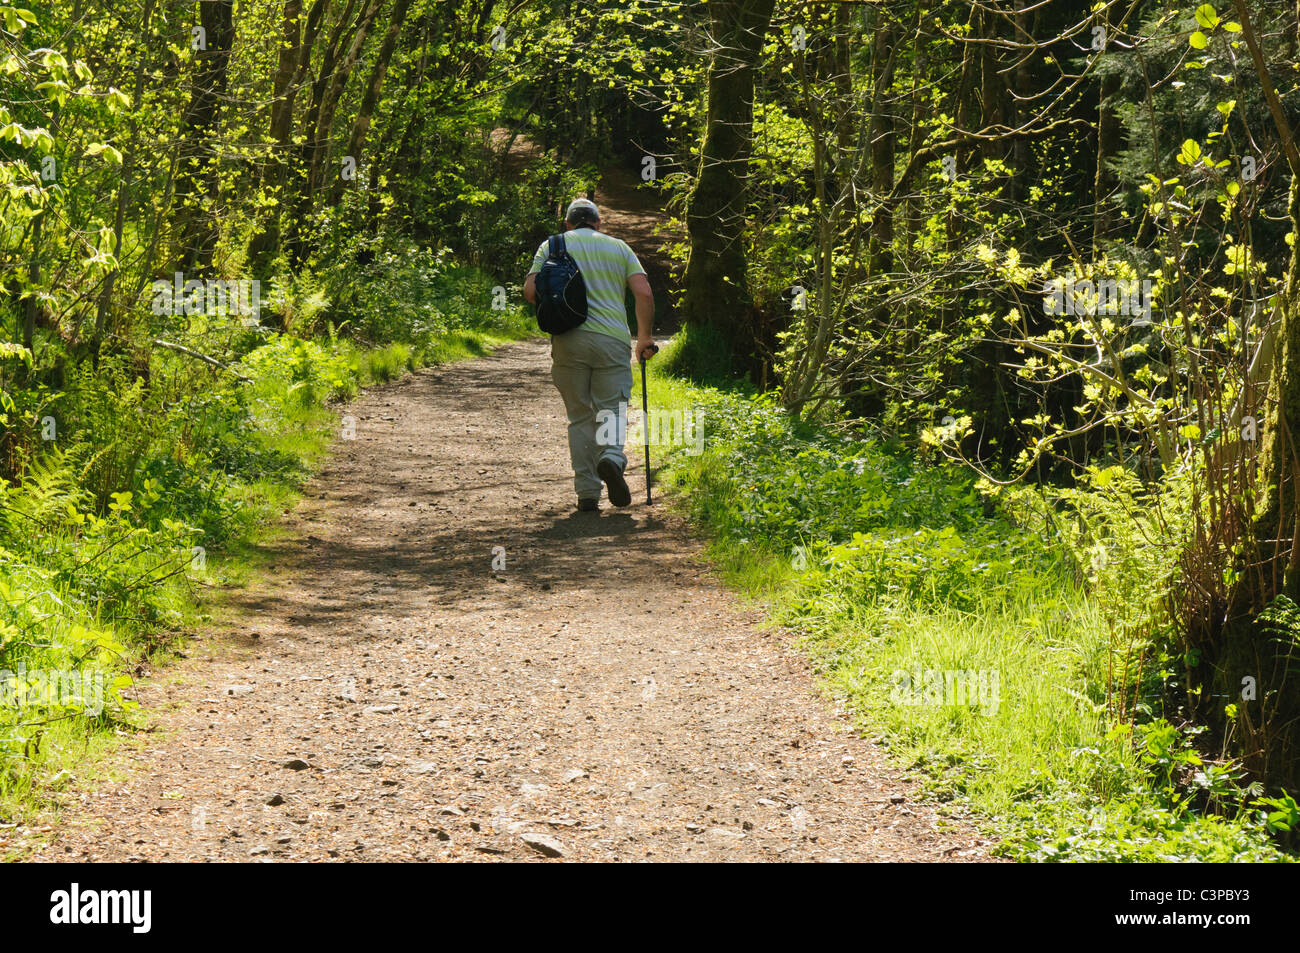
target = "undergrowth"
x: 999, y: 645
x: 139, y: 489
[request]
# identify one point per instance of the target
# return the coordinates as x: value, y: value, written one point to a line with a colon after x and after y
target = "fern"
x: 48, y: 490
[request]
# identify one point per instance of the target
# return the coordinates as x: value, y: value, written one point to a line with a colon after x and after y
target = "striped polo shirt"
x: 606, y: 263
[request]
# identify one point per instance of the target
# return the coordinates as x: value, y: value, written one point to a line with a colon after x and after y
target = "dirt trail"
x: 391, y: 695
x: 629, y: 209
x: 603, y: 691
x: 634, y: 213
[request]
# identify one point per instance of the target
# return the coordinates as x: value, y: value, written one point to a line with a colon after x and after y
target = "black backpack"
x: 561, y: 290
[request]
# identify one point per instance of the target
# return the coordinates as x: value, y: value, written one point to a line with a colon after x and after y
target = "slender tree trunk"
x: 298, y: 194
x: 882, y: 147
x: 296, y: 43
x: 290, y: 56
x: 326, y: 95
x: 32, y: 304
x: 124, y: 187
x: 334, y: 92
x: 365, y: 114
x: 1109, y: 141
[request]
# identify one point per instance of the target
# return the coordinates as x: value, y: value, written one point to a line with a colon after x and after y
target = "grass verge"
x: 153, y: 498
x: 970, y: 643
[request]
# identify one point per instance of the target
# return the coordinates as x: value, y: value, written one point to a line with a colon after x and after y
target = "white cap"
x: 585, y: 205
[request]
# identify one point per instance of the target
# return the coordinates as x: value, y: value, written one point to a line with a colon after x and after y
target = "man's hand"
x: 645, y: 347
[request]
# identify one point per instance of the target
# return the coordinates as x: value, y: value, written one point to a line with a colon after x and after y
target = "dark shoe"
x: 588, y: 506
x: 612, y: 474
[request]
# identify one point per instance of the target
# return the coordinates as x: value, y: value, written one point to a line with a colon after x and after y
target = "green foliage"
x: 1064, y: 829
x: 886, y: 567
x: 162, y: 470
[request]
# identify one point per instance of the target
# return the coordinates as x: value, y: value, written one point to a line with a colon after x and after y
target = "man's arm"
x: 530, y: 282
x: 645, y: 315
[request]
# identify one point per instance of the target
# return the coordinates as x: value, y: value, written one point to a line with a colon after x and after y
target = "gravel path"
x: 388, y: 695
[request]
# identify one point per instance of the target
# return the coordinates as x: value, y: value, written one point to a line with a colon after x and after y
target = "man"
x: 589, y: 364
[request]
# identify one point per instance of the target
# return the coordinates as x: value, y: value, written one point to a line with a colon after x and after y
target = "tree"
x: 716, y: 285
x: 196, y: 177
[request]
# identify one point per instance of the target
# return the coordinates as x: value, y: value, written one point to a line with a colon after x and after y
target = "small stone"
x: 275, y: 800
x: 896, y: 799
x: 423, y: 767
x: 296, y: 764
x: 543, y: 844
x: 574, y: 774
x: 259, y: 850
x: 238, y: 691
x: 381, y: 709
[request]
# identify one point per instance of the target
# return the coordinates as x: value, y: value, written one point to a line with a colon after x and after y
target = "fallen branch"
x: 182, y: 349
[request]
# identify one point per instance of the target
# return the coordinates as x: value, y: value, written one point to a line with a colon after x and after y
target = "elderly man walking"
x: 589, y: 364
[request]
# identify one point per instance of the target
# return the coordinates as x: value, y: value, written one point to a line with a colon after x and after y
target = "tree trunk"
x: 1109, y: 140
x: 195, y: 237
x: 325, y: 118
x: 882, y: 148
x: 124, y: 187
x: 1240, y: 644
x: 716, y: 287
x: 361, y: 126
x: 296, y: 45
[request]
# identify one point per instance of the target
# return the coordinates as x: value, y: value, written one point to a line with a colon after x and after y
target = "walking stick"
x: 645, y: 423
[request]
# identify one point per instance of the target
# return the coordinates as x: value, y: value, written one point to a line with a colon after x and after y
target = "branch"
x: 1270, y: 94
x: 182, y: 349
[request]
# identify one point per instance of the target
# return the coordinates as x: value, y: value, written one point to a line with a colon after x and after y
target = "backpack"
x: 561, y: 290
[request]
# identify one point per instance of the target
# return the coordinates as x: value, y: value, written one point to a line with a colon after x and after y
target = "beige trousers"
x: 593, y: 373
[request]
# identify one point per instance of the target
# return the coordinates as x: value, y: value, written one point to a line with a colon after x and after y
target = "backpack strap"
x: 556, y: 246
